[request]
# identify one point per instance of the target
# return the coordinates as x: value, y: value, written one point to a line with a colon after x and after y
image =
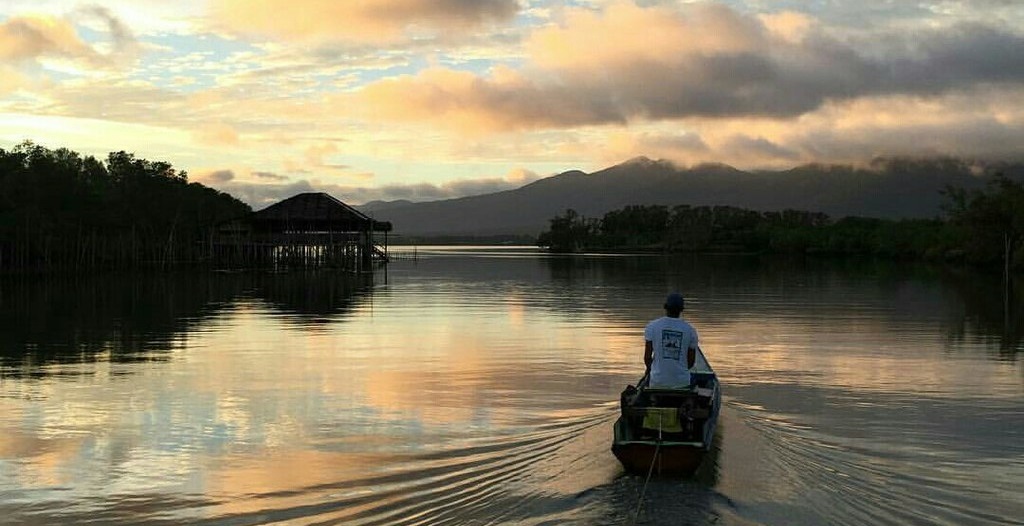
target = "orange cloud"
x: 217, y: 134
x: 25, y: 38
x: 32, y: 37
x: 365, y: 20
x: 521, y: 176
x: 627, y: 33
x: 317, y: 153
x: 985, y: 123
x: 11, y: 80
x: 788, y: 25
x: 504, y: 101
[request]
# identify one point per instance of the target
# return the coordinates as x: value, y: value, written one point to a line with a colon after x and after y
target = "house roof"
x: 316, y: 211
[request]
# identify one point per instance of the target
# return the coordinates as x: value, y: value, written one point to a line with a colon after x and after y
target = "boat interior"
x: 676, y: 415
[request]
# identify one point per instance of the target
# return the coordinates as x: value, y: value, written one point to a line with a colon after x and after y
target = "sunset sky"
x: 429, y: 99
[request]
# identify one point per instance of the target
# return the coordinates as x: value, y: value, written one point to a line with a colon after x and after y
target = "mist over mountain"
x: 892, y: 188
x: 374, y: 207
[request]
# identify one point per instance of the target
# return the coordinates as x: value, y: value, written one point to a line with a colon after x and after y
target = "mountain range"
x: 891, y: 188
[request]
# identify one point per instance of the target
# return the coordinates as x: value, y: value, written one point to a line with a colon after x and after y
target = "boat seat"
x: 668, y: 397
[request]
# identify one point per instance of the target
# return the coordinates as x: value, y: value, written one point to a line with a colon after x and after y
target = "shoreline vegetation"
x: 980, y: 227
x: 61, y: 211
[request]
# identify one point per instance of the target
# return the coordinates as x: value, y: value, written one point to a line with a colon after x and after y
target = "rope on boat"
x: 650, y: 471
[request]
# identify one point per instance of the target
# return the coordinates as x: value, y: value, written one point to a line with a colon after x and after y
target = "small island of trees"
x: 977, y: 227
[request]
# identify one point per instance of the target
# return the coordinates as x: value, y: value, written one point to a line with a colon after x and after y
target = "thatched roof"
x: 316, y: 211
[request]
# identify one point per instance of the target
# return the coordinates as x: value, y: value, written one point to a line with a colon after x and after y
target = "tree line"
x: 60, y: 210
x: 977, y: 226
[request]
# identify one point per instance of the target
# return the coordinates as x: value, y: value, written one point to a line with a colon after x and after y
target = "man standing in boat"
x: 670, y: 347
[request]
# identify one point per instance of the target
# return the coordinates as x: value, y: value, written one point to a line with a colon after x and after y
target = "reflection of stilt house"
x: 305, y: 231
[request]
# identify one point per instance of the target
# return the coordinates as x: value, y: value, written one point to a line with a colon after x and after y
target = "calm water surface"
x: 475, y: 386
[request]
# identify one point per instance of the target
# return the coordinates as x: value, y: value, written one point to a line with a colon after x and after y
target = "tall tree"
x: 991, y: 220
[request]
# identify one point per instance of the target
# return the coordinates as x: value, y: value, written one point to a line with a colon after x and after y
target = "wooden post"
x: 367, y: 250
x: 1006, y: 282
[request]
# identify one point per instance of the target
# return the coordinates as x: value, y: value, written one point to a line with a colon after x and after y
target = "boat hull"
x: 666, y: 457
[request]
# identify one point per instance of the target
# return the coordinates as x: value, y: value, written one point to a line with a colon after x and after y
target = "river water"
x: 479, y: 386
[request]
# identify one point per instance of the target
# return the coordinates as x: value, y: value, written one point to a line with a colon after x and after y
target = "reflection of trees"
x: 722, y: 287
x: 986, y: 313
x: 140, y: 317
x: 123, y: 318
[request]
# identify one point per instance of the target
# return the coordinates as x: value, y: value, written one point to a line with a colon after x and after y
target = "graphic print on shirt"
x: 671, y: 344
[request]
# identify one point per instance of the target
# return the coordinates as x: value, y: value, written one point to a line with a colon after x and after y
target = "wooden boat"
x: 668, y: 430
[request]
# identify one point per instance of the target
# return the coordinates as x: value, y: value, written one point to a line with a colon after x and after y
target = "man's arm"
x: 648, y: 355
x: 691, y: 353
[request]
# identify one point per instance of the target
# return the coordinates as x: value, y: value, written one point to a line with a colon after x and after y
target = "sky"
x: 433, y: 99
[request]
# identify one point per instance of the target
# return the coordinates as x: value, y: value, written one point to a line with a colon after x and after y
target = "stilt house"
x: 307, y: 230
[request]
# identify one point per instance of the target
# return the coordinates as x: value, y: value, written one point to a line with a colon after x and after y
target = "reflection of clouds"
x: 40, y: 461
x: 445, y: 357
x: 434, y: 358
x: 401, y: 395
x: 862, y: 354
x: 149, y: 429
x: 271, y: 471
x: 231, y: 412
x: 491, y: 357
x: 516, y: 313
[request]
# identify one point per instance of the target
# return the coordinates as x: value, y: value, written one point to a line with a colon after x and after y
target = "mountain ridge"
x: 892, y: 189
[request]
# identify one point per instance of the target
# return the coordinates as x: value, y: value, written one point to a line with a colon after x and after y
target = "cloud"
x: 632, y: 63
x: 217, y: 134
x: 366, y: 20
x: 24, y: 38
x: 625, y: 33
x: 505, y: 101
x: 558, y: 87
x: 259, y: 195
x: 219, y: 176
x: 269, y: 175
x: 985, y: 124
x: 791, y: 26
x: 11, y: 80
x: 521, y: 176
x: 122, y: 37
x: 316, y: 154
x: 742, y: 148
x: 683, y: 146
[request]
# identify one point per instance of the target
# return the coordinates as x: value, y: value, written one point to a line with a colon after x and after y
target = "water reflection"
x: 145, y: 317
x: 469, y: 388
x: 969, y: 303
x: 992, y: 312
x: 314, y: 297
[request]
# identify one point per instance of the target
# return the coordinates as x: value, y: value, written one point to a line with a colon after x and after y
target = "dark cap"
x: 674, y: 301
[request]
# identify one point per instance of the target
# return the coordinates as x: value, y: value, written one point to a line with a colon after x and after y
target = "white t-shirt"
x: 671, y: 338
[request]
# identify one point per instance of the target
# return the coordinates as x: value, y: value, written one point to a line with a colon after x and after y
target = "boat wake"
x: 817, y: 477
x: 510, y: 479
